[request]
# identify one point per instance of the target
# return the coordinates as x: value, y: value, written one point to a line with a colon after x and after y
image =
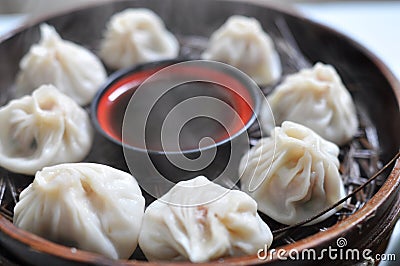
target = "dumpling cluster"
x: 293, y: 175
x: 71, y: 68
x: 315, y: 98
x: 43, y: 129
x: 89, y: 206
x: 242, y: 43
x: 136, y: 36
x: 211, y: 222
x: 290, y: 176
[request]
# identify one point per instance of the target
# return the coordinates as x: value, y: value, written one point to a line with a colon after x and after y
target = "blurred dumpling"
x: 43, y: 129
x: 71, y: 68
x: 85, y: 205
x: 201, y: 221
x: 242, y: 43
x: 293, y: 175
x: 136, y: 36
x: 316, y: 98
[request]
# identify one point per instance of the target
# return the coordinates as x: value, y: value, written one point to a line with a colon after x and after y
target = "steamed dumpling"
x: 136, y: 36
x: 85, y: 205
x: 43, y: 129
x: 242, y: 43
x: 293, y: 175
x: 201, y: 221
x: 73, y: 69
x: 315, y: 98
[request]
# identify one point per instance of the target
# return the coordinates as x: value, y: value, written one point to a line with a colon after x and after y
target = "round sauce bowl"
x: 178, y: 119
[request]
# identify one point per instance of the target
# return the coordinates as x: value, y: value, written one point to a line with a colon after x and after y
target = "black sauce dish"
x: 178, y: 119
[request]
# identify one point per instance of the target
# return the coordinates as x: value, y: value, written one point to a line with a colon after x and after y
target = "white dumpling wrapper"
x: 71, y: 68
x: 136, y: 36
x: 89, y: 206
x: 316, y: 98
x: 242, y: 43
x: 293, y: 175
x: 220, y: 223
x: 43, y: 129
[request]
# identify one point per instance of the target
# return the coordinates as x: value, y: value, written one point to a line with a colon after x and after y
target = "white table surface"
x: 9, y: 22
x: 373, y: 24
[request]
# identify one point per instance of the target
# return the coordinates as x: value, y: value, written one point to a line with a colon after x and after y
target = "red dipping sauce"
x: 113, y: 102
